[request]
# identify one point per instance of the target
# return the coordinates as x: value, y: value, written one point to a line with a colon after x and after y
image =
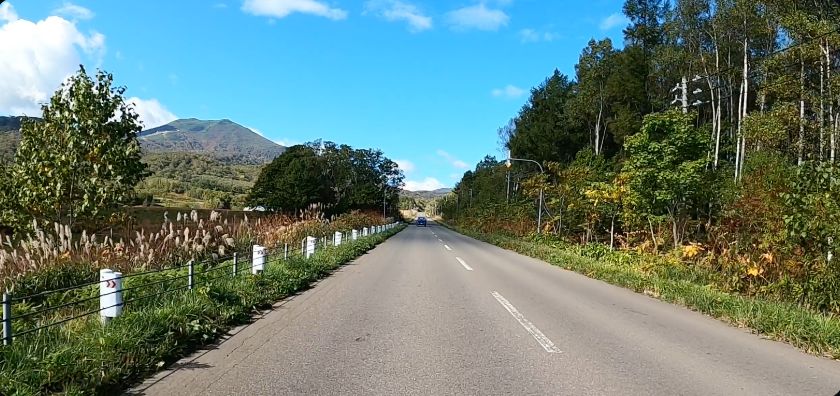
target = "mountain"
x: 426, y: 194
x: 9, y: 136
x: 223, y: 139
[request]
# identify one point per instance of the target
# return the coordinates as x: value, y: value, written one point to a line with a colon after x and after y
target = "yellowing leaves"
x: 692, y: 250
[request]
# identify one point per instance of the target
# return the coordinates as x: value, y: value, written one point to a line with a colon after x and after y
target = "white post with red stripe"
x: 110, y: 294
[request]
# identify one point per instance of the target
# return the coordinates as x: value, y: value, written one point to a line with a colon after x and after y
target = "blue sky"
x: 428, y: 82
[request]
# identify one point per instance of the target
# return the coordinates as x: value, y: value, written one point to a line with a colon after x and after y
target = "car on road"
x: 421, y: 221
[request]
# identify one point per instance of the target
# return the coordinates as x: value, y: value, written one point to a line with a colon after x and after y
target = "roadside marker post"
x: 190, y: 274
x: 285, y: 251
x: 235, y: 263
x: 7, y: 318
x: 258, y: 261
x: 310, y: 246
x: 110, y: 295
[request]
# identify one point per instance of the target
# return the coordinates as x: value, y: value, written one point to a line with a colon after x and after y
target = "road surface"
x: 432, y: 312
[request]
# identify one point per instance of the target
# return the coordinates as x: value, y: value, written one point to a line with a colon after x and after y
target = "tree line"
x: 335, y: 176
x: 714, y: 126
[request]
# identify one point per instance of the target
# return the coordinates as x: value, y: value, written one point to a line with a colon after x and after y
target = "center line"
x: 538, y: 335
x: 447, y: 247
x: 464, y: 264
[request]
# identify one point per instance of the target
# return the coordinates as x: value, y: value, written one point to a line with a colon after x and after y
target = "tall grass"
x: 86, y: 357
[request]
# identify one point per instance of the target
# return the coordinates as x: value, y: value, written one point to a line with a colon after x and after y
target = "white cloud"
x: 151, y: 112
x: 405, y: 165
x: 283, y: 8
x: 282, y: 142
x: 36, y: 57
x: 534, y: 36
x: 427, y: 184
x: 477, y: 17
x: 452, y: 160
x: 508, y: 92
x: 395, y: 10
x: 74, y: 11
x: 613, y: 20
x: 7, y: 13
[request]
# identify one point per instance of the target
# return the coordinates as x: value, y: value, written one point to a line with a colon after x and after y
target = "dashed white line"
x: 447, y: 247
x: 463, y: 263
x: 538, y: 335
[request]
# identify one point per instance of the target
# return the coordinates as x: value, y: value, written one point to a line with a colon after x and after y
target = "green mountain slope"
x: 224, y: 139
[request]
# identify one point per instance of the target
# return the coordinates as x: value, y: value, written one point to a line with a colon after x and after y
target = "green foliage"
x: 338, y: 177
x: 203, y: 178
x: 544, y: 129
x: 666, y: 169
x: 83, y: 158
x: 812, y: 215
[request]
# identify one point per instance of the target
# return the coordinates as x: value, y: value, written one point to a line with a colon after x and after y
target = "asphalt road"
x: 432, y: 312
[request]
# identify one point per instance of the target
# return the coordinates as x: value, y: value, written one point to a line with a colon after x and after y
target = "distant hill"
x: 9, y: 136
x: 426, y: 194
x: 223, y: 139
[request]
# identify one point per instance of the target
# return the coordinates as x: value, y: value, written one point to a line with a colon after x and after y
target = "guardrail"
x: 114, y: 286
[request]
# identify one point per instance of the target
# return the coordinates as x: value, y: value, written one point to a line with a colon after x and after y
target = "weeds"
x: 88, y: 358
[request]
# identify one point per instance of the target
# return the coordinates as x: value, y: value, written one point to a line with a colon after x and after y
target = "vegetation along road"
x: 434, y: 312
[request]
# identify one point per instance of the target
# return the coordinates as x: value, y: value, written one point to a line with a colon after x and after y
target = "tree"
x: 83, y: 158
x: 590, y: 103
x: 291, y: 182
x: 338, y: 177
x: 544, y: 130
x: 666, y: 169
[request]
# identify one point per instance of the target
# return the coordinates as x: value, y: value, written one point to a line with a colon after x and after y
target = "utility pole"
x: 682, y: 98
x: 507, y: 194
x: 540, y: 204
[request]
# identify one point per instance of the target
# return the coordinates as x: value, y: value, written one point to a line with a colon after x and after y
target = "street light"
x: 539, y: 213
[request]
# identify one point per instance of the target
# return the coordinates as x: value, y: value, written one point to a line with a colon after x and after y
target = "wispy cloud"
x: 477, y: 17
x: 534, y: 36
x: 405, y: 165
x: 74, y: 11
x: 508, y: 92
x: 616, y: 19
x: 427, y: 184
x: 395, y: 10
x: 151, y: 112
x: 452, y: 160
x: 283, y: 8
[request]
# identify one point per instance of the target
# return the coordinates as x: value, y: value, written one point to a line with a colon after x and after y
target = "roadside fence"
x: 114, y: 292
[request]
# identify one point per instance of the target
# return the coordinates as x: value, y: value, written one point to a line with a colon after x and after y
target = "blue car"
x: 421, y: 221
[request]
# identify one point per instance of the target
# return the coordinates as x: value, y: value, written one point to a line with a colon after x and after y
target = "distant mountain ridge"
x: 426, y: 194
x: 223, y: 139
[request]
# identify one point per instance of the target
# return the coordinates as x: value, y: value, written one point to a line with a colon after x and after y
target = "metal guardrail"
x: 196, y: 275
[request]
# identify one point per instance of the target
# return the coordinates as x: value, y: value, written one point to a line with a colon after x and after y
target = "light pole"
x: 539, y: 213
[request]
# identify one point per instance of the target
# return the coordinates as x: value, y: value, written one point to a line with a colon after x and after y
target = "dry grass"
x: 180, y: 236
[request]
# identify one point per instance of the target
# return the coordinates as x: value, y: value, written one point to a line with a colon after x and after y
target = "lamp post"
x: 539, y: 213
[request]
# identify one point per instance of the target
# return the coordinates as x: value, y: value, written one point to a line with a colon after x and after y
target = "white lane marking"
x: 467, y: 267
x: 538, y: 335
x: 447, y: 247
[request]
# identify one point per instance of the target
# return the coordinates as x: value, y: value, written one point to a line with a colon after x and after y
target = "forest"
x: 709, y: 137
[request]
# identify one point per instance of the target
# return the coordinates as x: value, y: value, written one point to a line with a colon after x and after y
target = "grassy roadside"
x: 84, y: 357
x: 811, y: 331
